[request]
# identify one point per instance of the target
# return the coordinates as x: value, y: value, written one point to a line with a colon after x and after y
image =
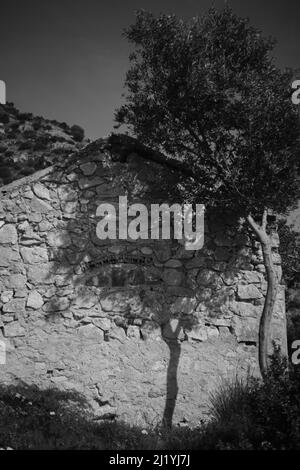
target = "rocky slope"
x: 29, y: 143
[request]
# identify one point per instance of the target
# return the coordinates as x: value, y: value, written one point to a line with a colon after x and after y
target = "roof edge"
x: 26, y: 179
x: 122, y: 144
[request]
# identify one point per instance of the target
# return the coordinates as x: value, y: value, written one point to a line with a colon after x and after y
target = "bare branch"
x: 254, y: 225
x: 264, y: 219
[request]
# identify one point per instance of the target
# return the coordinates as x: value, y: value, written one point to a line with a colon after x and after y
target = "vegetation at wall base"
x: 245, y: 415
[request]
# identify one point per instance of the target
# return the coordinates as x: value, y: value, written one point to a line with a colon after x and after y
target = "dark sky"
x: 66, y: 59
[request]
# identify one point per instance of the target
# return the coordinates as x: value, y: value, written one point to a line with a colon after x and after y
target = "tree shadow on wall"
x: 174, y: 346
x: 75, y: 250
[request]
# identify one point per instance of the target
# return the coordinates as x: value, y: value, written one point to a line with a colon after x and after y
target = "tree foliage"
x: 207, y: 91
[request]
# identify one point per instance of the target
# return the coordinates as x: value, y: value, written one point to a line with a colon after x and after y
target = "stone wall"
x: 144, y: 329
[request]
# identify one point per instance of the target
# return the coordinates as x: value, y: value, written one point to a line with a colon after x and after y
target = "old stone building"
x: 144, y: 329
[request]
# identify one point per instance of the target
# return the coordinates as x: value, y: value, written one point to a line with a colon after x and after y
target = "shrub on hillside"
x: 25, y: 145
x: 36, y: 124
x: 29, y: 134
x: 64, y: 126
x: 77, y: 133
x: 4, y: 117
x: 14, y: 126
x: 25, y: 117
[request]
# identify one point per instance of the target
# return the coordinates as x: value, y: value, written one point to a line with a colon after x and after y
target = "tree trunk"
x: 272, y: 284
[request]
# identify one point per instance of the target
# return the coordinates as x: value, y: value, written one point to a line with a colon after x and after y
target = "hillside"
x: 29, y: 143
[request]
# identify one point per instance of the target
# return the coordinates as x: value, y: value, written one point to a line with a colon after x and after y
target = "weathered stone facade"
x: 127, y: 323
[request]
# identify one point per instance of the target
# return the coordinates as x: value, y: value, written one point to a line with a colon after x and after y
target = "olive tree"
x: 208, y: 92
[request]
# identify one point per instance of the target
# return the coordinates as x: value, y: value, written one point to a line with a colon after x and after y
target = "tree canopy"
x: 208, y: 92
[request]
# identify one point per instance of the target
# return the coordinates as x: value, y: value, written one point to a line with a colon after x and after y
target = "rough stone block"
x: 104, y: 324
x: 34, y: 255
x: 85, y: 183
x: 245, y: 329
x: 59, y: 239
x: 117, y: 333
x: 6, y: 296
x: 14, y: 306
x: 208, y: 278
x: 57, y: 304
x: 252, y: 277
x: 133, y: 332
x: 226, y: 322
x: 88, y: 168
x: 249, y: 292
x: 67, y: 193
x: 212, y: 332
x: 224, y: 331
x: 39, y: 206
x: 41, y: 191
x: 246, y: 309
x: 275, y: 242
x: 14, y: 329
x: 184, y: 305
x: 69, y: 208
x: 40, y: 274
x: 35, y: 300
x: 8, y: 234
x: 15, y: 281
x: 229, y: 277
x: 86, y: 301
x: 150, y: 331
x: 276, y: 258
x: 173, y: 263
x: 197, y: 333
x: 172, y: 277
x: 115, y: 302
x: 91, y: 332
